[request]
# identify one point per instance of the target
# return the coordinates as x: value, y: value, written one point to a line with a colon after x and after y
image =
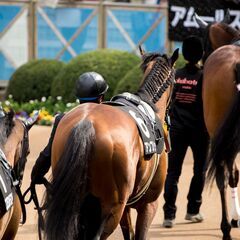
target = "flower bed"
x: 48, y: 108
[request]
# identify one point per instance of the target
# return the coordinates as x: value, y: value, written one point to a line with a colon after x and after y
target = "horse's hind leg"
x: 126, y: 225
x: 235, y: 209
x: 145, y: 217
x: 111, y: 220
x: 225, y: 225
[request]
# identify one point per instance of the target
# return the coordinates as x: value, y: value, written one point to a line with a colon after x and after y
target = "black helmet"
x: 192, y: 49
x: 90, y: 85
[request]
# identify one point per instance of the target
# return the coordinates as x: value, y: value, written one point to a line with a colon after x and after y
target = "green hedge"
x: 130, y: 82
x: 180, y: 62
x: 111, y: 64
x: 33, y: 80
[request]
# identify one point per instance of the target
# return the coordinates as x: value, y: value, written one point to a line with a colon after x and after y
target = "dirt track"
x: 207, y: 230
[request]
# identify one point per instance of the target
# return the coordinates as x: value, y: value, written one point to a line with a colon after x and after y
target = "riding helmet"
x: 90, y: 85
x: 192, y: 49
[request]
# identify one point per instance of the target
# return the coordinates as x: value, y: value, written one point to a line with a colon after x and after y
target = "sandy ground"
x: 183, y: 230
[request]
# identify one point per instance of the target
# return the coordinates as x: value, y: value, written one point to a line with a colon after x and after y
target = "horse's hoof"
x: 235, y: 223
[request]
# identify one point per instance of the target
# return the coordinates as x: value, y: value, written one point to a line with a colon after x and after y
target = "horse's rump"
x: 111, y: 125
x: 219, y: 85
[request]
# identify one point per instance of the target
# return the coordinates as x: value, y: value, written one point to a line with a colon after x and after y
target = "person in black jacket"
x: 90, y: 87
x: 187, y: 130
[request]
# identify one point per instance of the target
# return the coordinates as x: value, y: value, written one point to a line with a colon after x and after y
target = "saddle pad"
x: 149, y: 126
x: 236, y: 43
x: 6, y: 194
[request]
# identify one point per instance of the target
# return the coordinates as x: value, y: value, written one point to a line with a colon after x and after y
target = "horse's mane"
x: 160, y: 77
x: 148, y: 57
x: 6, y: 126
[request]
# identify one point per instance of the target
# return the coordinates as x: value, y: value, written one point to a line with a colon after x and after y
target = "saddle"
x: 236, y: 43
x: 149, y: 125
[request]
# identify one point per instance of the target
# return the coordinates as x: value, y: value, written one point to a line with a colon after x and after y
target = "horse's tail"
x: 71, y: 211
x: 226, y: 142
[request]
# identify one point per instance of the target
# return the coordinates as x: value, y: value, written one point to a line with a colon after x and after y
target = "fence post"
x: 32, y: 30
x: 102, y: 25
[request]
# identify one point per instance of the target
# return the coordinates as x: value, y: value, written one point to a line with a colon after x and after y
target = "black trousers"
x: 180, y: 141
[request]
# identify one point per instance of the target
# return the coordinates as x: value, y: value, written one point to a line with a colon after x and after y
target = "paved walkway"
x: 183, y: 230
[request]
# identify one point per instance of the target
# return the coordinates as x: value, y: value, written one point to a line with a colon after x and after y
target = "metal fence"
x: 29, y: 30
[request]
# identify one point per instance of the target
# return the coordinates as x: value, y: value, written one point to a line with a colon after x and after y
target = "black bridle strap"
x: 21, y: 199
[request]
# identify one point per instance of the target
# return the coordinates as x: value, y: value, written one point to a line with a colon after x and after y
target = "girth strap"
x: 137, y: 197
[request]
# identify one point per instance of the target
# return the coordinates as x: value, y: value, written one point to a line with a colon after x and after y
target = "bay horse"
x: 98, y: 165
x: 14, y: 148
x: 221, y: 103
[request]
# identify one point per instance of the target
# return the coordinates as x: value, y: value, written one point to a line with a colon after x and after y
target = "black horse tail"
x: 226, y: 143
x: 71, y: 211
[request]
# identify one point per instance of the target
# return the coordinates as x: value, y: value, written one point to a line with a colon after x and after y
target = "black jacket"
x: 186, y: 110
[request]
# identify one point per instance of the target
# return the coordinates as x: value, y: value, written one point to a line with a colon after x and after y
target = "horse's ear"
x: 31, y: 121
x: 201, y: 23
x: 227, y: 18
x: 174, y: 57
x: 142, y: 52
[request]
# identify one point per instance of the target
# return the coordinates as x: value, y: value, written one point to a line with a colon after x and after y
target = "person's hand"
x: 37, y: 180
x: 36, y: 177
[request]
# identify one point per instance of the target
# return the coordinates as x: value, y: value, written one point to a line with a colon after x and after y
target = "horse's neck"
x: 221, y: 41
x: 220, y: 37
x: 10, y: 149
x: 162, y: 106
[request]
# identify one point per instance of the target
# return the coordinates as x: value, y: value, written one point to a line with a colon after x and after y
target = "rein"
x: 33, y: 197
x: 139, y: 195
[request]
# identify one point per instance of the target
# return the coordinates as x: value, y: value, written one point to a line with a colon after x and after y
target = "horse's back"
x: 219, y: 86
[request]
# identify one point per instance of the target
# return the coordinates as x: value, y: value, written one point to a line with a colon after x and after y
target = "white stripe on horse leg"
x: 235, y: 209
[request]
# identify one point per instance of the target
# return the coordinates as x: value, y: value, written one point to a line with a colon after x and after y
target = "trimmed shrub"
x: 130, y: 82
x: 111, y: 64
x: 33, y: 80
x: 180, y: 62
